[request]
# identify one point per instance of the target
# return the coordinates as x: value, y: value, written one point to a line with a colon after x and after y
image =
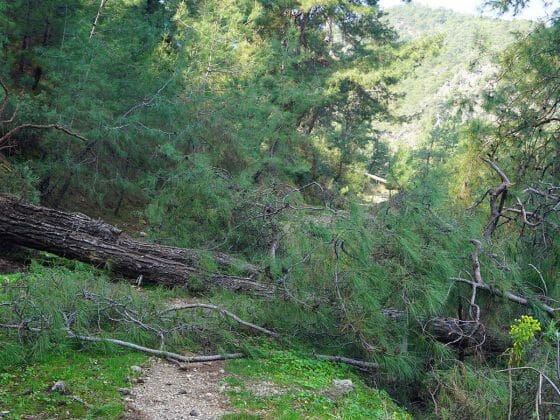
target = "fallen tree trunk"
x: 76, y: 236
x: 469, y: 335
x: 79, y: 222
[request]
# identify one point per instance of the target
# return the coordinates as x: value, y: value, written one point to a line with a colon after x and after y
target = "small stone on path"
x: 60, y: 387
x: 136, y: 369
x: 340, y: 388
x: 344, y: 385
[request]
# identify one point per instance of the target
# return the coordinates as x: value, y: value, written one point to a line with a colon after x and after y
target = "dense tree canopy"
x: 248, y: 127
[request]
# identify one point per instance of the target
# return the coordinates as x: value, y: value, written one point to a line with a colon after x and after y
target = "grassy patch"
x: 305, y: 381
x: 10, y: 278
x: 94, y: 378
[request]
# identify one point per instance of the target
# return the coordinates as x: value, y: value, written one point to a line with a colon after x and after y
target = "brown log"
x: 468, y: 335
x: 76, y: 236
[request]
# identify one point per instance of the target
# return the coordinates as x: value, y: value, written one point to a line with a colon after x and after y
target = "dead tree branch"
x: 510, y: 296
x: 498, y: 197
x: 552, y: 384
x: 4, y: 103
x: 154, y: 352
x: 478, y: 278
x: 380, y: 180
x: 94, y: 25
x: 4, y: 139
x: 148, y: 101
x: 479, y: 283
x: 222, y: 311
x: 6, y: 96
x: 362, y: 364
x: 159, y: 353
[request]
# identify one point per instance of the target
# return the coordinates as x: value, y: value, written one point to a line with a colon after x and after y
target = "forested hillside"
x: 454, y: 76
x: 358, y: 210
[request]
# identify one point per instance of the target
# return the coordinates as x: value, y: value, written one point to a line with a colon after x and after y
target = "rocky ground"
x: 169, y: 392
x: 166, y: 392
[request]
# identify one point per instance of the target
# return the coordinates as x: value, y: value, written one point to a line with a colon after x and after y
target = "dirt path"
x: 165, y: 392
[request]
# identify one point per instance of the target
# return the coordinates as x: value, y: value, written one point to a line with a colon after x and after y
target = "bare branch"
x: 552, y: 384
x: 362, y: 364
x: 148, y: 102
x: 514, y: 298
x: 158, y: 353
x: 14, y: 130
x: 223, y: 312
x: 4, y: 103
x: 6, y: 96
x: 478, y: 277
x: 11, y: 119
x: 496, y: 168
x: 479, y: 201
x: 497, y: 199
x: 545, y: 194
x: 377, y: 179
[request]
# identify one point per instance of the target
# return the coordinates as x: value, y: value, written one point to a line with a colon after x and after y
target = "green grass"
x: 94, y: 373
x: 10, y: 278
x: 95, y: 378
x: 305, y: 381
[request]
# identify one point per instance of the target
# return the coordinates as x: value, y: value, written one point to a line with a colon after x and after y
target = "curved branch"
x: 158, y: 353
x: 552, y: 384
x: 223, y: 312
x: 9, y: 120
x: 496, y: 168
x: 500, y: 192
x: 5, y: 102
x: 133, y: 346
x: 59, y: 127
x: 514, y: 298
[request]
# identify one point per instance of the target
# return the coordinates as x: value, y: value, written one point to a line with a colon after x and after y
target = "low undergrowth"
x: 55, y: 294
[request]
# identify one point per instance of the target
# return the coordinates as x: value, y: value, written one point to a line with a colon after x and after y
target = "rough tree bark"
x: 76, y: 236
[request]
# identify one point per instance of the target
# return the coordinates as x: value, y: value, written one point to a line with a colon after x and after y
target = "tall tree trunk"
x: 96, y: 20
